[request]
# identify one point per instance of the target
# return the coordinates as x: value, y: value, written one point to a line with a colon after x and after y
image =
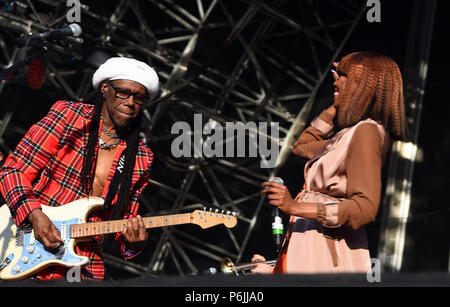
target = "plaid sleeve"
x: 133, y: 208
x: 28, y: 160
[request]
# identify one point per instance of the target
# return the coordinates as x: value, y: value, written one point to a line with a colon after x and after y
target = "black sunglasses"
x: 125, y: 94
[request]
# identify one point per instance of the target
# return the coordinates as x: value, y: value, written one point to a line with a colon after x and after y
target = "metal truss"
x: 399, y: 186
x: 230, y: 61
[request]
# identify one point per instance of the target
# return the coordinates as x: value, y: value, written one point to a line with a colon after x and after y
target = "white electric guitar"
x: 21, y: 255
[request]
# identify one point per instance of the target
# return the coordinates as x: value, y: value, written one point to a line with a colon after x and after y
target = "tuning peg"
x: 217, y: 210
x: 210, y: 209
x: 234, y: 213
x: 222, y: 211
x: 204, y: 208
x: 228, y: 212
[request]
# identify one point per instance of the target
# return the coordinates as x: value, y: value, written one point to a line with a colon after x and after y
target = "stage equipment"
x: 227, y: 266
x: 404, y: 155
x: 36, y: 74
x: 277, y: 225
x: 71, y: 30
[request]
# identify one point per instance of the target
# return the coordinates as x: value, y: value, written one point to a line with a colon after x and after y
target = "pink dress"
x: 344, y: 178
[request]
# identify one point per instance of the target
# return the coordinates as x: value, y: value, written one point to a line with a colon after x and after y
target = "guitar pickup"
x: 63, y: 231
x: 19, y: 238
x: 6, y: 261
x: 32, y: 238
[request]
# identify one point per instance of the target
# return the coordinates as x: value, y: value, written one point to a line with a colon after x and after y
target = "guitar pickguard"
x: 34, y: 253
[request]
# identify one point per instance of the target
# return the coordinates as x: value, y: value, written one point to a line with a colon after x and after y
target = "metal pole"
x: 403, y: 155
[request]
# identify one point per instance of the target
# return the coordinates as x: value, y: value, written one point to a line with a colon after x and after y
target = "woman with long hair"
x: 346, y: 145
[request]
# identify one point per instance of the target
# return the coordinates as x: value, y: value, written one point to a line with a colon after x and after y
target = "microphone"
x: 71, y: 30
x: 277, y: 225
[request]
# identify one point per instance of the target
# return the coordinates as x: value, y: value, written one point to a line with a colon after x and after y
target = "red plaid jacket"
x: 45, y: 169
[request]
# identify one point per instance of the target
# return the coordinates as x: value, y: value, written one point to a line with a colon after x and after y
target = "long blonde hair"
x: 374, y: 89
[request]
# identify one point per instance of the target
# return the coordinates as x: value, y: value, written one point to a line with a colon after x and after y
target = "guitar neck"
x: 101, y: 228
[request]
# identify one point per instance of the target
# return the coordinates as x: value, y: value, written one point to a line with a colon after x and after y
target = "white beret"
x: 127, y: 69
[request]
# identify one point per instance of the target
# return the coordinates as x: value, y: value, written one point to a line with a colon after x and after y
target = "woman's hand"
x: 279, y: 196
x: 329, y: 113
x: 135, y: 234
x: 333, y: 71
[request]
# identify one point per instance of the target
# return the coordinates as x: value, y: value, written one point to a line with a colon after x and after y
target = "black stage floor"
x: 257, y: 281
x: 219, y: 289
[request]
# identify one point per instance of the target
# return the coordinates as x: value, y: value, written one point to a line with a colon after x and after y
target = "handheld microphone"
x: 71, y: 30
x: 277, y: 225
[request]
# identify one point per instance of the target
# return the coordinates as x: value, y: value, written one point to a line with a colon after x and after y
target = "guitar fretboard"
x: 100, y: 228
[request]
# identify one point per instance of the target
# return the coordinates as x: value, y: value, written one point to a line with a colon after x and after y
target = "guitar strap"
x: 112, y: 190
x: 115, y: 183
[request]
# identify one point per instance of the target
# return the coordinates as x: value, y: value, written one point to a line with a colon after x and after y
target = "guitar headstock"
x: 206, y: 219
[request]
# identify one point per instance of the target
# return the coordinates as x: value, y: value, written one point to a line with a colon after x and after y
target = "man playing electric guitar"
x: 73, y: 153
